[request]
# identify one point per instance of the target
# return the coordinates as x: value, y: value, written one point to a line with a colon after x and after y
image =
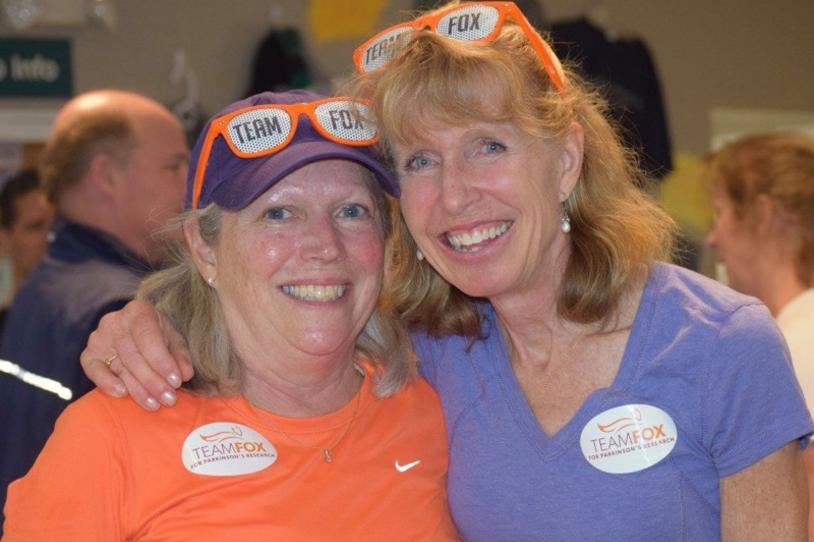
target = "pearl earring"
x: 211, y: 281
x: 419, y: 255
x: 565, y: 221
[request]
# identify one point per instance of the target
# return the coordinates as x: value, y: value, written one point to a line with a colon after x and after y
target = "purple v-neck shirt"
x: 701, y: 357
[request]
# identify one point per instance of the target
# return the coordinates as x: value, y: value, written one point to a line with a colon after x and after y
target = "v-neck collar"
x: 551, y: 446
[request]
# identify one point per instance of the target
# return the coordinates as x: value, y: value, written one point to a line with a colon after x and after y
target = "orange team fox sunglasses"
x: 471, y: 21
x: 261, y: 130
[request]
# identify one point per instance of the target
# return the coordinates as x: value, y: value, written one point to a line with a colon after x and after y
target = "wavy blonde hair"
x: 617, y: 230
x: 182, y: 295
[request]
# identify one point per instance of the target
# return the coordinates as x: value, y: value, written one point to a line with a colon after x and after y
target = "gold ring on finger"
x: 109, y: 360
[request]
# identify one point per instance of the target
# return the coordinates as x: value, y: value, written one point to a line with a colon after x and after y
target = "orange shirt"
x: 216, y: 469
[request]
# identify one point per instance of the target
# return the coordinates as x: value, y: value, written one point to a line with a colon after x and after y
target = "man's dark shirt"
x: 84, y: 275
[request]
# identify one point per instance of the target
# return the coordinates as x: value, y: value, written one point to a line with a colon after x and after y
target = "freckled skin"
x: 301, y: 231
x: 478, y: 177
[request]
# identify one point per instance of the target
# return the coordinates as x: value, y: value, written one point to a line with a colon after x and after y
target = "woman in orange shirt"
x: 304, y: 420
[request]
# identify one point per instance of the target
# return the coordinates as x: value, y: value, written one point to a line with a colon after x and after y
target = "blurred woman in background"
x: 763, y: 196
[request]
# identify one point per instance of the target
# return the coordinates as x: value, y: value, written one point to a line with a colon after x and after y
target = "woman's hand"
x: 135, y: 351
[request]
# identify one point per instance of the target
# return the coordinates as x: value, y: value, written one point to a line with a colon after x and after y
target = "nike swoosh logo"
x: 408, y: 466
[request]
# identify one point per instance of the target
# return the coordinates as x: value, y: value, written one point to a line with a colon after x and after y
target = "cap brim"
x: 254, y: 179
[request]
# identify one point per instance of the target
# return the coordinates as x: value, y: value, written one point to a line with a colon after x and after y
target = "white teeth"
x: 312, y: 292
x: 467, y: 240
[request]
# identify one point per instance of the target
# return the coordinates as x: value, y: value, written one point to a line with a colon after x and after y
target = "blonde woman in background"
x: 763, y: 196
x: 762, y: 189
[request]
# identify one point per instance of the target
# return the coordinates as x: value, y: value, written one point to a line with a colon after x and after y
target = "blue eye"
x: 277, y: 213
x: 417, y: 162
x: 353, y: 211
x: 493, y: 147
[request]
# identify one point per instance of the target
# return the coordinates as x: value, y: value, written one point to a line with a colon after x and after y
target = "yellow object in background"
x: 684, y: 195
x: 332, y: 20
x: 686, y: 198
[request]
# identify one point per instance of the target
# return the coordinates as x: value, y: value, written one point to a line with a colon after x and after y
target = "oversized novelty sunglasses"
x: 469, y: 21
x: 262, y: 130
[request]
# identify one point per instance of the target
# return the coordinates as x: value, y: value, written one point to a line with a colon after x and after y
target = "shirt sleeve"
x: 427, y: 366
x: 74, y: 490
x: 752, y: 402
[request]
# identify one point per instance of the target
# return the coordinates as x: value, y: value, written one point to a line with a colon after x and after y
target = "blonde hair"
x: 182, y: 295
x: 617, y: 231
x: 780, y: 166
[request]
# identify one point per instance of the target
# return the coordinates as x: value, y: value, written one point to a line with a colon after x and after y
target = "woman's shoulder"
x: 715, y: 360
x: 678, y: 290
x: 124, y: 430
x: 691, y: 325
x: 111, y: 412
x: 417, y: 393
x: 723, y: 344
x: 411, y: 414
x: 445, y: 354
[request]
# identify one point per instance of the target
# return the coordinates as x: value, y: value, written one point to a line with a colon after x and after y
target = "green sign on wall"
x: 35, y: 68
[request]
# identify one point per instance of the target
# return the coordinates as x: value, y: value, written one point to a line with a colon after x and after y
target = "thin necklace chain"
x: 327, y: 452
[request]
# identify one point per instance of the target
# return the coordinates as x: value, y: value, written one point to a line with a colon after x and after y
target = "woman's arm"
x: 152, y: 357
x: 808, y: 459
x: 767, y: 500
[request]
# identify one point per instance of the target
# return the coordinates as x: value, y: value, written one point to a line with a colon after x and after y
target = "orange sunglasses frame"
x: 218, y: 127
x: 550, y: 62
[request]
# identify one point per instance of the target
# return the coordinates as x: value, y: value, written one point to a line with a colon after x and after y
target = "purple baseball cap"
x: 233, y: 182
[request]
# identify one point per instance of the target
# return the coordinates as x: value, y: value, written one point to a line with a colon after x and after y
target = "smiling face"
x: 298, y: 271
x: 483, y: 203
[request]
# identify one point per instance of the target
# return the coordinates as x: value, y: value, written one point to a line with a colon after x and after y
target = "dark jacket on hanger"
x: 624, y: 70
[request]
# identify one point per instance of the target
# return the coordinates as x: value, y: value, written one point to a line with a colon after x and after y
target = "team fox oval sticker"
x: 226, y: 449
x: 628, y: 438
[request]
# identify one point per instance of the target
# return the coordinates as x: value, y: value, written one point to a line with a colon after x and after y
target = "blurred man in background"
x: 115, y: 170
x: 25, y: 217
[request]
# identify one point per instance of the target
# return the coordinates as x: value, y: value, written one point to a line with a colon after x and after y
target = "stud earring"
x: 419, y: 255
x: 565, y: 221
x: 211, y: 281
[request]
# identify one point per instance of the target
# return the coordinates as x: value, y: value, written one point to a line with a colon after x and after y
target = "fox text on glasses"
x: 463, y: 23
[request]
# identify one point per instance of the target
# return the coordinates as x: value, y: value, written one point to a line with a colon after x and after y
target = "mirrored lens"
x: 469, y: 23
x: 382, y: 49
x: 259, y: 130
x: 346, y: 121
